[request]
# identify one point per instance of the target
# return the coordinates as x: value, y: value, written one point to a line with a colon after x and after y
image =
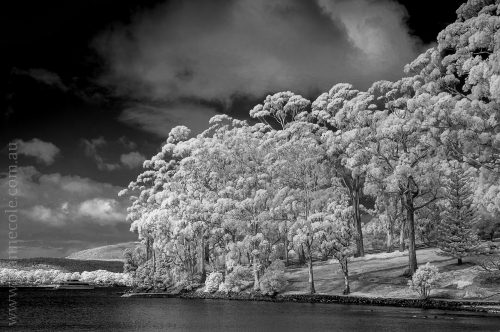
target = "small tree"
x: 338, y: 235
x: 213, y: 281
x: 457, y: 236
x: 273, y: 280
x: 424, y: 279
x: 239, y: 278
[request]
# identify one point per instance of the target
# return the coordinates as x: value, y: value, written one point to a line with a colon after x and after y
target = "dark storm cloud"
x: 131, y: 160
x: 216, y: 50
x: 159, y: 120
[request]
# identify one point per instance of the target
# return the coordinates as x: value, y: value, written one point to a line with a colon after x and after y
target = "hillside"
x: 63, y: 264
x: 113, y: 252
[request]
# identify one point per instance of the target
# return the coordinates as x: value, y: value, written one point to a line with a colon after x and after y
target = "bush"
x: 273, y: 280
x: 223, y: 288
x: 213, y: 281
x: 239, y: 278
x: 49, y: 277
x: 424, y: 279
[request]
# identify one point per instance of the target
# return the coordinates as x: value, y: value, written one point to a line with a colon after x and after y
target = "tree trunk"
x: 345, y: 269
x: 148, y: 249
x: 286, y: 244
x: 459, y: 261
x: 154, y: 260
x: 202, y: 268
x: 207, y: 253
x: 302, y: 255
x: 356, y: 188
x: 347, y: 288
x: 312, y: 290
x: 410, y: 216
x: 389, y: 239
x: 402, y: 236
x: 256, y: 281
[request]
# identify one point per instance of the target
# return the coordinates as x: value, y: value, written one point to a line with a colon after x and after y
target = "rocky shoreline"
x: 442, y: 304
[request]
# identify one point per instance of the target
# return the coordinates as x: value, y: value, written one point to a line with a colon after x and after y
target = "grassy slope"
x: 112, y: 252
x: 381, y: 276
x: 101, y: 258
x: 68, y: 265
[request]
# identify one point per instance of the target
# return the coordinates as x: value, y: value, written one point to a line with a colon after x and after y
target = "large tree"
x: 345, y: 112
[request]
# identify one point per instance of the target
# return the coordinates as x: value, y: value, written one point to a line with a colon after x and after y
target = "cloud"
x: 90, y: 148
x: 58, y: 214
x: 44, y: 152
x: 377, y: 28
x: 215, y: 50
x: 44, y: 76
x: 132, y: 160
x: 45, y: 215
x: 93, y: 149
x: 128, y: 144
x: 102, y: 210
x: 63, y: 200
x: 160, y: 120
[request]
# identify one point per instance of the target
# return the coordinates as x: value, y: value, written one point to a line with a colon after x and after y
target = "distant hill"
x: 113, y: 252
x: 63, y: 264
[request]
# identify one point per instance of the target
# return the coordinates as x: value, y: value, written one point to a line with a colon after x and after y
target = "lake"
x: 104, y: 309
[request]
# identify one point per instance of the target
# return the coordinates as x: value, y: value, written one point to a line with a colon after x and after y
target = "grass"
x: 113, y: 252
x: 381, y: 275
x: 64, y: 264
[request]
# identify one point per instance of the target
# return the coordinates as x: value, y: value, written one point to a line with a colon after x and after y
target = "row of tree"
x: 51, y: 276
x: 250, y: 194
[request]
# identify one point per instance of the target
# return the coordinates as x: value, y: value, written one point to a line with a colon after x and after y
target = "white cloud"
x: 102, y: 210
x: 63, y: 200
x: 132, y: 159
x: 45, y: 215
x: 377, y: 28
x: 44, y: 152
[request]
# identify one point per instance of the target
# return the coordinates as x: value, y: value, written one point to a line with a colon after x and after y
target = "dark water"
x: 104, y: 310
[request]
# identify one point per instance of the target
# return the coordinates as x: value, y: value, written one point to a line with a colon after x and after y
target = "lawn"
x: 381, y: 275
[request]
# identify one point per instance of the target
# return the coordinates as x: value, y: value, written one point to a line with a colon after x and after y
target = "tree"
x: 460, y: 92
x: 338, y: 233
x: 457, y: 235
x: 424, y: 279
x: 303, y: 169
x: 346, y: 113
x: 402, y: 155
x: 282, y: 107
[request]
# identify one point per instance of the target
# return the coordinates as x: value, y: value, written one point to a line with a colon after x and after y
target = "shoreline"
x: 432, y: 303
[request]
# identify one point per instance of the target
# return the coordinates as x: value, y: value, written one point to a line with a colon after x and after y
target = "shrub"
x: 48, y: 277
x: 223, y: 288
x: 424, y: 279
x: 143, y: 276
x: 213, y: 281
x: 273, y: 280
x: 239, y: 278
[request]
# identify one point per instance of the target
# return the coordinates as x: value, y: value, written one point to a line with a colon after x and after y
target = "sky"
x: 92, y: 88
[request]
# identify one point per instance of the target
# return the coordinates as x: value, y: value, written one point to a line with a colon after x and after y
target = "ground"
x: 381, y: 275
